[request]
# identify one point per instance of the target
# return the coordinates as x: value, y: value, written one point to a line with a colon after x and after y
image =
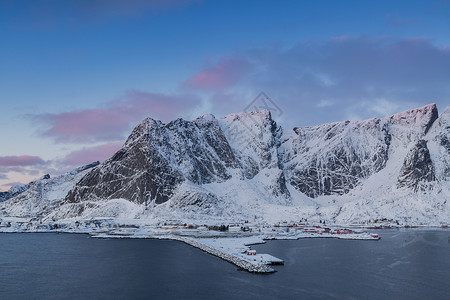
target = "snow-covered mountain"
x: 246, y: 166
x: 13, y: 191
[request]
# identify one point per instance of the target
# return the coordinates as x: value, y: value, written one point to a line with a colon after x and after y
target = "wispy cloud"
x: 10, y: 184
x: 225, y: 74
x: 112, y: 121
x: 20, y: 161
x: 26, y: 165
x: 91, y: 154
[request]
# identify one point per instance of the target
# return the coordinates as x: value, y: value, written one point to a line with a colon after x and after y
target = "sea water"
x: 404, y: 264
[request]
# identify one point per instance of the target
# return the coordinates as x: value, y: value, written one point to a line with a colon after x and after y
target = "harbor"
x: 231, y: 242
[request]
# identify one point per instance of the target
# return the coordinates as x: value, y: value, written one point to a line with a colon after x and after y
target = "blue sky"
x: 76, y: 76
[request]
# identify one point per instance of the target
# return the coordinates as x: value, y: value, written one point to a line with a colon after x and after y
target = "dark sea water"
x: 404, y: 264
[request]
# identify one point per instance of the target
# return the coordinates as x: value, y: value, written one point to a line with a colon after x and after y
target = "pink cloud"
x: 91, y: 154
x: 26, y: 166
x: 226, y: 73
x: 113, y: 120
x: 20, y: 161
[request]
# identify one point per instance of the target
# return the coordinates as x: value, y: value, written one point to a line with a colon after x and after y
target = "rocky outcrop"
x: 156, y: 158
x: 332, y: 159
x: 12, y: 192
x: 417, y: 169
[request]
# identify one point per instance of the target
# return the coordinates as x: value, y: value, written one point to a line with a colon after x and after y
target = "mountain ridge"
x: 245, y: 164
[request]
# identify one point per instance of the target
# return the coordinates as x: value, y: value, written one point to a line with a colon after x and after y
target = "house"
x: 251, y: 252
x: 234, y: 228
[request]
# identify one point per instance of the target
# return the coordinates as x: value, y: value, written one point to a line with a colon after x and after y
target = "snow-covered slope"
x: 42, y: 196
x: 245, y: 166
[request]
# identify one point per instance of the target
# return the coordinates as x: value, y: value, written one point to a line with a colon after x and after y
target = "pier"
x: 250, y: 266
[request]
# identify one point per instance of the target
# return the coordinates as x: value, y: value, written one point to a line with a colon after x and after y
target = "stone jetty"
x: 253, y: 267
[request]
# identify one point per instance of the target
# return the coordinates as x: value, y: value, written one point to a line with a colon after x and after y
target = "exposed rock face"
x: 255, y: 140
x: 417, y: 168
x: 332, y: 158
x: 442, y: 138
x: 418, y: 120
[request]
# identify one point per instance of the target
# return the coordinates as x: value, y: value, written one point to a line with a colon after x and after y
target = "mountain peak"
x: 143, y: 129
x: 263, y: 114
x: 422, y: 117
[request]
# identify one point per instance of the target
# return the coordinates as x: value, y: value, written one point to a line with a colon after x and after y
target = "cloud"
x: 351, y: 73
x: 91, y: 154
x: 25, y: 170
x: 112, y: 121
x: 383, y: 107
x: 10, y: 184
x: 225, y: 74
x: 20, y: 161
x: 23, y: 166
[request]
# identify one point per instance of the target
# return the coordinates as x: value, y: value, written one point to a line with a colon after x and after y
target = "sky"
x: 77, y: 76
